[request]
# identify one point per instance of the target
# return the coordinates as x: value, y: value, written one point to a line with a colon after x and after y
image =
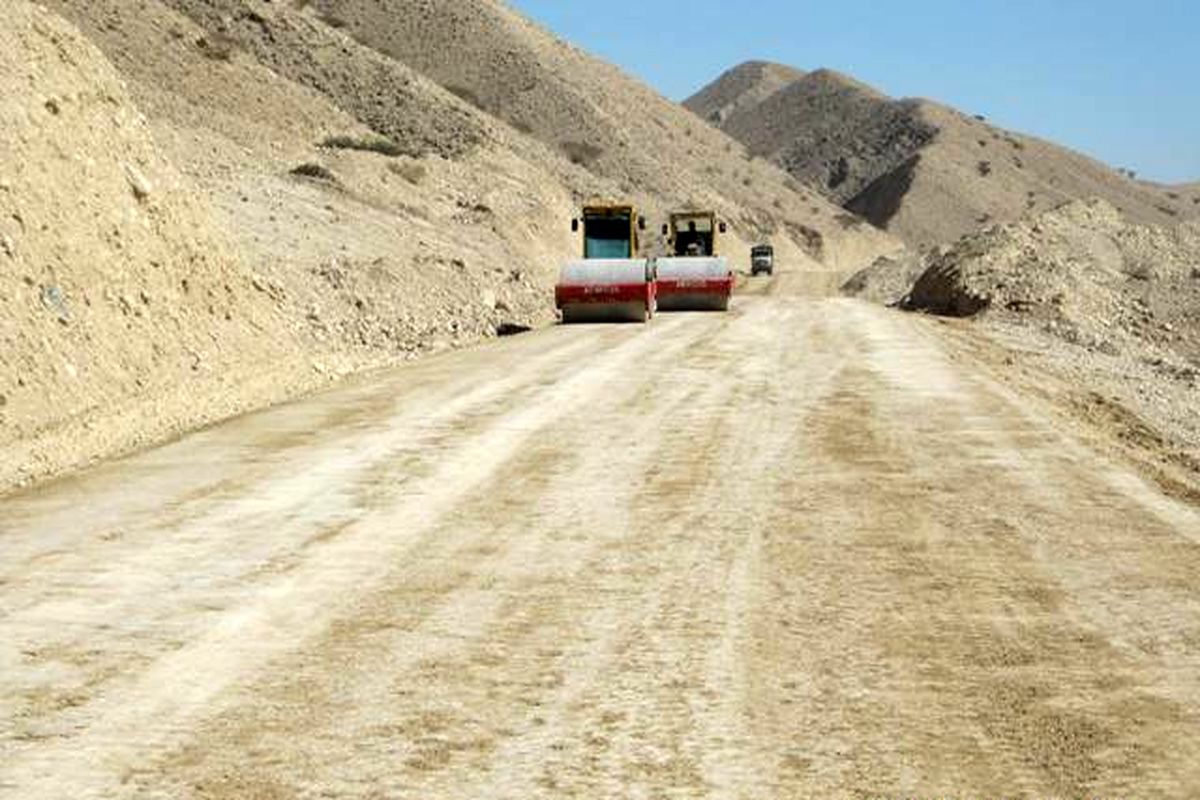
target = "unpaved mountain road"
x: 794, y: 551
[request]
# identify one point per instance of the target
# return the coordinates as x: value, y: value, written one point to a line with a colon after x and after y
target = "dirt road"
x: 792, y: 551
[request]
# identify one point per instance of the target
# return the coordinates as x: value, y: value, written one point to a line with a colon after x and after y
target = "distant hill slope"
x: 741, y: 88
x: 832, y: 132
x: 1185, y: 193
x: 922, y: 170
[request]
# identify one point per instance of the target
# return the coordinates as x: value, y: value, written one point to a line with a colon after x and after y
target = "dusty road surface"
x: 794, y: 551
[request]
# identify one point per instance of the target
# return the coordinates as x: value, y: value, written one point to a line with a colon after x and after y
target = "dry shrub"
x: 410, y: 171
x: 371, y: 144
x: 314, y: 171
x: 467, y: 95
x: 809, y: 239
x: 217, y: 46
x: 582, y: 154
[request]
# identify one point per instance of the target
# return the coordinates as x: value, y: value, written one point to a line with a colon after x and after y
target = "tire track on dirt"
x: 795, y: 550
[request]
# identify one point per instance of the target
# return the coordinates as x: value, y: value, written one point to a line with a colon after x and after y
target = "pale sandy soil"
x: 801, y: 550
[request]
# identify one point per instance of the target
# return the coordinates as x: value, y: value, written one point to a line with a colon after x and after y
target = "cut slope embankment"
x: 123, y: 317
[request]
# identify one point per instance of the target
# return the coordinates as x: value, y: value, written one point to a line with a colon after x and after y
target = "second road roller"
x: 696, y: 277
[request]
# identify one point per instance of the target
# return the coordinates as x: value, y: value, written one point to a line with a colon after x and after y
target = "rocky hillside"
x: 924, y: 171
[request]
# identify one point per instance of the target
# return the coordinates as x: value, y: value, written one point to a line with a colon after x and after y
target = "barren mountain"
x: 597, y: 117
x: 500, y: 84
x: 741, y: 88
x: 921, y: 170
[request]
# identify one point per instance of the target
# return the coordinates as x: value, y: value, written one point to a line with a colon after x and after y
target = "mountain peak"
x: 740, y: 87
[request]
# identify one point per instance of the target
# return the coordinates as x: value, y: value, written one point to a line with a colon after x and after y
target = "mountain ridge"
x: 920, y: 169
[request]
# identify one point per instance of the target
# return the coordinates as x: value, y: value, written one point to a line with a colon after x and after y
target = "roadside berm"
x: 1109, y: 309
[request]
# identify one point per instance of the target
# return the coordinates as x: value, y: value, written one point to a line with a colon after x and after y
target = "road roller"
x: 695, y: 277
x: 609, y: 283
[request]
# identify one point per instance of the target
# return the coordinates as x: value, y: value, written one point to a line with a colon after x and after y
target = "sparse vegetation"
x: 984, y: 168
x: 333, y: 21
x: 839, y: 173
x: 1139, y: 271
x: 410, y: 171
x: 582, y: 154
x: 314, y: 171
x: 216, y: 46
x: 809, y: 239
x: 370, y: 144
x: 467, y: 96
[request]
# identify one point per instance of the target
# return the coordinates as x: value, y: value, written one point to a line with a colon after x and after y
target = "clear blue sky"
x: 1119, y: 80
